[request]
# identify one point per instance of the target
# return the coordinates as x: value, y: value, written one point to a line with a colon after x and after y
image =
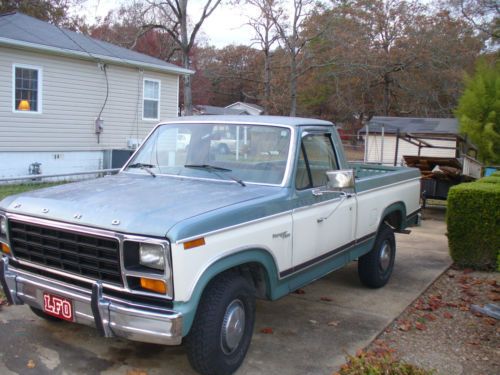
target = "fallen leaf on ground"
x: 420, y: 326
x: 312, y: 321
x: 300, y: 291
x: 492, y: 282
x: 463, y: 279
x: 136, y: 372
x: 447, y: 315
x: 430, y: 317
x: 31, y: 364
x: 470, y: 294
x: 474, y: 342
x: 489, y: 321
x: 404, y: 325
x: 467, y: 270
x: 327, y: 299
x: 333, y: 323
x: 495, y: 297
x: 267, y: 331
x: 451, y: 304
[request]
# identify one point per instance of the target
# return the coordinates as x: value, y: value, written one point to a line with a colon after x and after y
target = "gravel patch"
x: 439, y: 331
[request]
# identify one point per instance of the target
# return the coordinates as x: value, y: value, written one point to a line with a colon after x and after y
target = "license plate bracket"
x: 58, y: 306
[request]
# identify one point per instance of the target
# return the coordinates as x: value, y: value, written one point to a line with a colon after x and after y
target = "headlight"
x: 152, y: 255
x: 3, y: 227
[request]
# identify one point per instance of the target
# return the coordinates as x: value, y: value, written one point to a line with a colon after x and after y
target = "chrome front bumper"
x: 111, y: 316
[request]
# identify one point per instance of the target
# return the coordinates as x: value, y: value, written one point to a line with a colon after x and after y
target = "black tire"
x: 205, y: 344
x: 375, y: 268
x: 44, y: 316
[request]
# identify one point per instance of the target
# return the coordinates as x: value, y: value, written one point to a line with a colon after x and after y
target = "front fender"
x: 260, y: 256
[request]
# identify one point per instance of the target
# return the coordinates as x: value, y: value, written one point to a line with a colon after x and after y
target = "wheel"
x: 223, y: 326
x: 222, y: 149
x: 375, y: 267
x: 43, y: 315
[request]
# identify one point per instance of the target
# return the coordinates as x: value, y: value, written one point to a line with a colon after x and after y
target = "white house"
x: 70, y: 102
x: 391, y: 138
x: 247, y: 108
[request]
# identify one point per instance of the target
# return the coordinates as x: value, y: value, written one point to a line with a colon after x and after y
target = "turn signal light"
x: 157, y: 286
x: 194, y: 243
x: 6, y: 249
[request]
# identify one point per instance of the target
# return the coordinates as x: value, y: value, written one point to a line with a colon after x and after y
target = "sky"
x: 225, y: 26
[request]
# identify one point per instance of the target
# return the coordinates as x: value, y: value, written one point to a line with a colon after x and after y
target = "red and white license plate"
x: 59, y: 307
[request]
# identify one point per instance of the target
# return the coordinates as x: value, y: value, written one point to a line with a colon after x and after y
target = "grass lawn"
x: 6, y: 190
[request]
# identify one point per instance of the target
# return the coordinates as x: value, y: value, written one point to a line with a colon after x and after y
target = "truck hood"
x: 136, y: 203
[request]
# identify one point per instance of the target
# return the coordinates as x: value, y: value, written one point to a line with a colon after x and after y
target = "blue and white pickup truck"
x: 178, y: 245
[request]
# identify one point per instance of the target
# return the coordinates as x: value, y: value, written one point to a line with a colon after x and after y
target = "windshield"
x: 250, y: 153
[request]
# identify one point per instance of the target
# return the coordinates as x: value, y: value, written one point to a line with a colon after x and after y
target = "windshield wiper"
x: 144, y: 167
x: 215, y: 169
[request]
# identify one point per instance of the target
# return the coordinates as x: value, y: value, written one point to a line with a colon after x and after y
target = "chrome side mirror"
x: 340, y: 180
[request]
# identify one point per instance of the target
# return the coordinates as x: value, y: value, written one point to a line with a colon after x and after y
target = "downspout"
x: 382, y: 145
x: 366, y: 143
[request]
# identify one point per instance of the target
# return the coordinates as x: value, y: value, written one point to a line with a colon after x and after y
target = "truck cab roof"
x: 242, y: 119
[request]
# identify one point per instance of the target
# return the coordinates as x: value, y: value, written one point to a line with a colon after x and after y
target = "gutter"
x: 92, y: 57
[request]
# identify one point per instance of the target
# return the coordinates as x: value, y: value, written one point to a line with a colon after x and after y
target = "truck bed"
x: 372, y: 176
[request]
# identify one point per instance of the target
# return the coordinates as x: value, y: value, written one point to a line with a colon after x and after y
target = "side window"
x: 151, y: 100
x: 319, y: 157
x: 27, y: 88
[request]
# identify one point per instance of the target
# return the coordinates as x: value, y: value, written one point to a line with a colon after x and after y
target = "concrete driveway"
x: 311, y: 334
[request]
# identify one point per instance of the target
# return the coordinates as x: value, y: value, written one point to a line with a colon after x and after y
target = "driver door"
x: 323, y: 222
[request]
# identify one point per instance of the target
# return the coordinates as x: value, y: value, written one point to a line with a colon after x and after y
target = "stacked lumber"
x: 436, y: 168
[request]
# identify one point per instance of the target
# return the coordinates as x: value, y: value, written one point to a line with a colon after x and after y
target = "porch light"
x: 24, y: 105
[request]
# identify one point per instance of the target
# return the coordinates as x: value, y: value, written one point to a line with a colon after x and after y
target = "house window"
x: 27, y: 89
x: 151, y: 104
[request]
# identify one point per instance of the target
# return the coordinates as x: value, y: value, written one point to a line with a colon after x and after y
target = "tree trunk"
x: 188, y: 97
x: 267, y: 81
x: 387, y: 93
x: 293, y: 85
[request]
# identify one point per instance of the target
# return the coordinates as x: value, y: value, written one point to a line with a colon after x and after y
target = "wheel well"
x: 394, y: 219
x: 256, y: 274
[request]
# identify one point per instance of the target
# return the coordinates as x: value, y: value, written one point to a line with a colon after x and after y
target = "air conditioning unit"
x: 133, y: 143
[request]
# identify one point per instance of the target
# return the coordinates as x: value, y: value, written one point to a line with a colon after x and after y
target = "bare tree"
x: 483, y: 15
x: 172, y: 17
x: 265, y: 36
x: 294, y: 40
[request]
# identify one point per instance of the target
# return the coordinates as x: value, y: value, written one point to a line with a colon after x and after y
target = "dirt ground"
x: 439, y: 331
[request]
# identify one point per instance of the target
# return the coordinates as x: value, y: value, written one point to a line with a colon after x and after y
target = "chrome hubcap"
x: 385, y: 256
x: 233, y: 326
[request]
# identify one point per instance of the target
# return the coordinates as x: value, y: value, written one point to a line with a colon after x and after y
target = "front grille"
x: 82, y: 254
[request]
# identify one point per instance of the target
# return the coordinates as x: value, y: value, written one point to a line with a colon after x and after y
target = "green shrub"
x: 496, y: 174
x: 473, y: 219
x: 490, y: 179
x: 372, y: 363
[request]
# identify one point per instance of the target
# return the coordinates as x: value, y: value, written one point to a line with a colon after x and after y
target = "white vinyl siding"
x: 404, y: 149
x: 151, y: 99
x: 73, y: 94
x: 27, y: 86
